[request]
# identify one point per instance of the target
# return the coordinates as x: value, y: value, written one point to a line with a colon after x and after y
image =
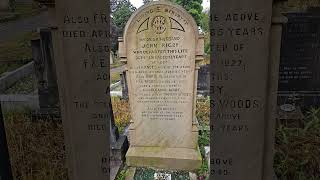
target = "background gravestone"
x: 81, y: 46
x: 299, y: 81
x: 124, y: 85
x: 161, y: 44
x: 204, y: 80
x: 243, y: 89
x: 45, y: 68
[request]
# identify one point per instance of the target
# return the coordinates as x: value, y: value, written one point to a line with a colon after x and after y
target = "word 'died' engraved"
x: 96, y: 127
x: 85, y: 34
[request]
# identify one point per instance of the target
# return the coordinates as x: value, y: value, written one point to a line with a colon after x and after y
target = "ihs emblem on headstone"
x: 159, y: 24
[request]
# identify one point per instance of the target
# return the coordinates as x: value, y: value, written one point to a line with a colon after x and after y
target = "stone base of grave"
x: 119, y: 149
x: 164, y: 158
x: 114, y: 168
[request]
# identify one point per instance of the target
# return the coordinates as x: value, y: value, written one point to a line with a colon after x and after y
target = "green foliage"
x: 297, y: 149
x: 204, y: 137
x: 122, y: 13
x: 142, y: 173
x: 115, y: 77
x: 194, y: 7
x: 122, y: 175
x: 203, y: 140
x: 18, y: 49
x: 203, y: 111
x: 121, y: 113
x: 24, y: 86
x: 203, y: 169
x: 205, y: 21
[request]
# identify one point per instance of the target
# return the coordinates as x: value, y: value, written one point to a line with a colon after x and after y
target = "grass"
x: 115, y: 77
x: 36, y: 147
x: 27, y: 10
x: 26, y: 85
x: 298, y: 149
x: 14, y: 54
x: 17, y: 51
x: 203, y: 114
x: 10, y: 66
x: 116, y: 64
x: 21, y: 10
x: 203, y: 111
x: 121, y: 113
x: 122, y: 175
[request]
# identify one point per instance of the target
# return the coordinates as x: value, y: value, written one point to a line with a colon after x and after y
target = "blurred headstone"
x: 124, y: 85
x: 299, y: 76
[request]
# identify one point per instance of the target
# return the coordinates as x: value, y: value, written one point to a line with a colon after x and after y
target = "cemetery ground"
x: 37, y: 146
x: 21, y: 10
x: 15, y: 53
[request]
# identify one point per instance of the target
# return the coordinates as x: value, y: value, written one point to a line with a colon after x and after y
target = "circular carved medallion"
x: 159, y: 24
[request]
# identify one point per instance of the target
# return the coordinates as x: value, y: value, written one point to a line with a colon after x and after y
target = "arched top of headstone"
x: 160, y: 16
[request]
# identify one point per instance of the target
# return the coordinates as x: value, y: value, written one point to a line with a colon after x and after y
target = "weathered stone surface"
x: 81, y: 46
x: 164, y: 158
x: 19, y: 102
x: 10, y: 78
x: 243, y: 89
x: 161, y: 45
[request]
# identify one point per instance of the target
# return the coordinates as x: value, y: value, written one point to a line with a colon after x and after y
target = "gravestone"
x: 124, y: 85
x: 111, y: 58
x: 5, y: 167
x: 204, y: 80
x: 244, y: 64
x: 299, y: 81
x: 45, y: 70
x: 161, y: 45
x: 81, y: 54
